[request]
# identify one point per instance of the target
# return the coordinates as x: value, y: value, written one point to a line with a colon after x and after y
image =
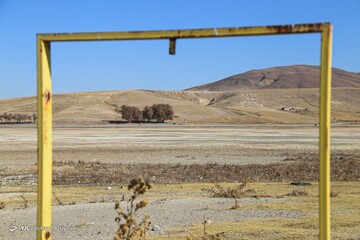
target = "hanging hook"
x: 172, y: 46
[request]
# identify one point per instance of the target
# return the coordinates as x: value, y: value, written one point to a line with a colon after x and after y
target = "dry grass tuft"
x: 205, y: 234
x: 298, y: 192
x: 334, y: 194
x: 25, y: 201
x: 59, y: 202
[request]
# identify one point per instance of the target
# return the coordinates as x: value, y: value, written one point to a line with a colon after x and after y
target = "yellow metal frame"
x: 44, y: 201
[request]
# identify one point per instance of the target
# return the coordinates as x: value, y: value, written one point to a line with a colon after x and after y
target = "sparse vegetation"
x: 236, y: 192
x: 345, y: 210
x: 305, y: 168
x: 94, y: 174
x: 156, y: 113
x: 17, y: 118
x: 126, y: 219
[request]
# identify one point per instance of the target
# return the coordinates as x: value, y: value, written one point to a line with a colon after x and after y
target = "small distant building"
x: 288, y: 109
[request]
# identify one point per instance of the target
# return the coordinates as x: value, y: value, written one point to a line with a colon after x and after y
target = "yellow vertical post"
x: 325, y: 123
x: 44, y: 106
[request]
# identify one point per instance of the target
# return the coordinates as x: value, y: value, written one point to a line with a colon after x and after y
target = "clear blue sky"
x: 95, y: 66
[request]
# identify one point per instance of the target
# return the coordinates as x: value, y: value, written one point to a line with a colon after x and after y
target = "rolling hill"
x: 273, y: 95
x: 243, y: 106
x: 297, y: 76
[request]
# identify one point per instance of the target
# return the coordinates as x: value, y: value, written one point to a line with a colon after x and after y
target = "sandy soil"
x: 161, y: 144
x: 174, y: 144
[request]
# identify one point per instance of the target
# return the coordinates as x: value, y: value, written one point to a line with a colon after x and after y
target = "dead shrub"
x: 126, y: 219
x: 236, y: 192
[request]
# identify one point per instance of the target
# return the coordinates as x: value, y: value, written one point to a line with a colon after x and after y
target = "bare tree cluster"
x: 157, y: 113
x: 17, y: 118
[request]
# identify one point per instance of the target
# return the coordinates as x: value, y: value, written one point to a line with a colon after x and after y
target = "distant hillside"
x: 214, y: 107
x: 297, y: 76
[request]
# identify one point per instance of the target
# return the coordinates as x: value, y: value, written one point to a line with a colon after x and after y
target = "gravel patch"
x: 96, y: 221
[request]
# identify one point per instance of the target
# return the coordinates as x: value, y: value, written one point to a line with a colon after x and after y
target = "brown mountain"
x: 297, y: 76
x: 256, y: 99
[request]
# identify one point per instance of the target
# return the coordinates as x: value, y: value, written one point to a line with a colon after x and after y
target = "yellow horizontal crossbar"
x: 190, y: 33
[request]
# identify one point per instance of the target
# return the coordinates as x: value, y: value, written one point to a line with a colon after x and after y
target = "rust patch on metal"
x: 47, y: 235
x: 47, y: 96
x: 283, y: 29
x: 295, y: 28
